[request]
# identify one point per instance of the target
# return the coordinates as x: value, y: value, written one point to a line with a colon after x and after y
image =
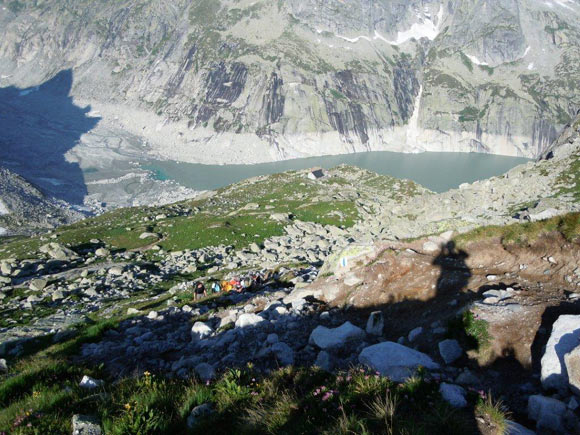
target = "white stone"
x: 564, y: 338
x: 102, y: 252
x: 375, y: 323
x: 200, y: 330
x: 248, y: 319
x: 152, y: 315
x: 450, y: 351
x: 453, y: 394
x: 327, y: 338
x: 394, y: 360
x: 90, y: 383
x: 115, y: 271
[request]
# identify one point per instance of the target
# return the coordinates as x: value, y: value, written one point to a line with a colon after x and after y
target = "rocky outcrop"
x: 296, y: 78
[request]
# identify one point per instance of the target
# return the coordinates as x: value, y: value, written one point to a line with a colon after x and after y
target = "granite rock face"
x: 275, y: 80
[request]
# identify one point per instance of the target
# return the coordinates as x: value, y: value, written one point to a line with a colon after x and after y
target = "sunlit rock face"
x: 251, y: 81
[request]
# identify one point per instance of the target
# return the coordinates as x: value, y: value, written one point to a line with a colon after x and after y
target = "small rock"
x: 85, y: 425
x: 248, y: 319
x: 414, y: 334
x: 284, y: 353
x: 198, y: 413
x: 38, y: 284
x: 375, y: 323
x: 453, y: 394
x: 102, y: 252
x: 450, y: 351
x: 205, y: 371
x: 3, y: 366
x: 324, y: 361
x: 90, y: 383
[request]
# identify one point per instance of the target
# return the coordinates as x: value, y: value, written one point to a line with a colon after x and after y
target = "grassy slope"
x: 41, y: 393
x: 221, y: 219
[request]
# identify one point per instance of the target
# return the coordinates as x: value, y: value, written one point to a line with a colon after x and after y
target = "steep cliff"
x: 248, y: 81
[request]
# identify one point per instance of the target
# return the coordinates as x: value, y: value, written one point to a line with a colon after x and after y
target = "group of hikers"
x: 236, y: 284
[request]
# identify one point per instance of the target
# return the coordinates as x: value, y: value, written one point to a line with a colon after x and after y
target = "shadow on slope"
x: 39, y: 126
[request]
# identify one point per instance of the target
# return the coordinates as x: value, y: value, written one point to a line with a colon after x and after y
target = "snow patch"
x: 476, y: 61
x: 527, y: 51
x: 531, y: 66
x: 561, y: 3
x: 3, y: 209
x: 3, y: 231
x: 53, y: 181
x: 426, y: 28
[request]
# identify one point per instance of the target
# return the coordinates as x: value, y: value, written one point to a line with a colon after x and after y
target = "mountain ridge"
x: 266, y: 81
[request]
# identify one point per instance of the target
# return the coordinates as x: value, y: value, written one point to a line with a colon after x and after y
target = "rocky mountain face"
x: 249, y: 81
x: 24, y: 208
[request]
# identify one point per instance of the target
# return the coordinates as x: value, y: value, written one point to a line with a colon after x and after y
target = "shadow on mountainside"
x: 39, y: 126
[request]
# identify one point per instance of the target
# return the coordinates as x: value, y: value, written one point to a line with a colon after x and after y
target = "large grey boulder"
x: 58, y: 252
x: 394, y: 360
x: 548, y: 413
x: 85, y: 425
x: 564, y: 338
x: 327, y: 338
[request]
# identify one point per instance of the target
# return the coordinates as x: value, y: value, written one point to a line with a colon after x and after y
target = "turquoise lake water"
x: 436, y: 171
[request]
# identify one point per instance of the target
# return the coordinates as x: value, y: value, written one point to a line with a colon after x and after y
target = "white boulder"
x: 327, y: 338
x: 564, y: 338
x: 394, y: 360
x: 200, y: 330
x: 90, y: 383
x: 248, y: 319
